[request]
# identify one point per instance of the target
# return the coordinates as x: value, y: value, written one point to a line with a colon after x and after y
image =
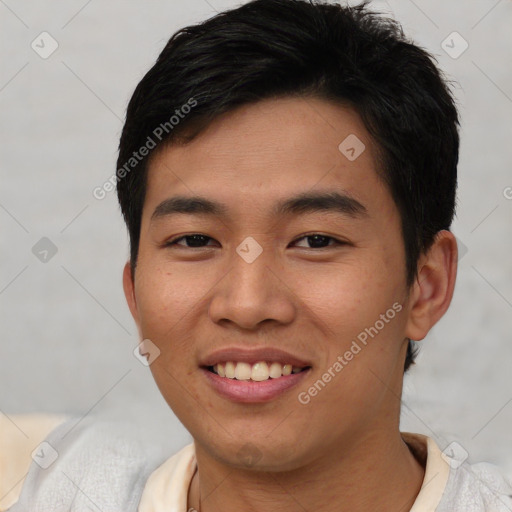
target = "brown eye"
x: 318, y: 241
x: 192, y: 241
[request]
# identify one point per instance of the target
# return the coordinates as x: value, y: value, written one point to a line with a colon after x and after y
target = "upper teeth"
x: 258, y: 371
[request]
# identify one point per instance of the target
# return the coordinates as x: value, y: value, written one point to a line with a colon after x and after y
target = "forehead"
x: 268, y: 151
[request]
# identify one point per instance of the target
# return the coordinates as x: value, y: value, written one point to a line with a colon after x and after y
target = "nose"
x: 251, y: 293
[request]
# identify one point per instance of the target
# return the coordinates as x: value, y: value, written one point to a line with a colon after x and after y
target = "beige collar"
x: 437, y: 471
x: 167, y: 487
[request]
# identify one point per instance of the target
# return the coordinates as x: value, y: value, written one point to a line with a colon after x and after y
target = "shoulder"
x: 89, y: 464
x: 452, y: 484
x: 475, y: 488
x: 20, y: 435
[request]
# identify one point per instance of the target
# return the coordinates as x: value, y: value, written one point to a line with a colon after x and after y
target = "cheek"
x: 344, y: 297
x: 358, y: 307
x: 164, y: 300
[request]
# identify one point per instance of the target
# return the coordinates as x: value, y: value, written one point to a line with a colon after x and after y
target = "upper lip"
x: 252, y: 356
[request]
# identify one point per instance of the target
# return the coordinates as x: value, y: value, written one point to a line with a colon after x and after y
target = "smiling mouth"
x: 258, y: 372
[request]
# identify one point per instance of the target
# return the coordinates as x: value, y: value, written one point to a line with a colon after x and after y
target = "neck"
x: 378, y: 471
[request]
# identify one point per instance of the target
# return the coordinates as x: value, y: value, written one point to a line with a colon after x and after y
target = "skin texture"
x: 343, y: 449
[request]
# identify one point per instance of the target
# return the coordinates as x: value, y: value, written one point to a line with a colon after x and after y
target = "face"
x: 291, y: 255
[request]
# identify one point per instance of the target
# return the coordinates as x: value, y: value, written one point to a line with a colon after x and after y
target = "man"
x: 287, y: 172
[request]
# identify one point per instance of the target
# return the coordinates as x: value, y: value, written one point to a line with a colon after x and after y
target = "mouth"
x: 257, y: 372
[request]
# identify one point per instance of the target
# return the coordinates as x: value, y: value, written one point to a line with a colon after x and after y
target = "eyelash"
x: 337, y: 242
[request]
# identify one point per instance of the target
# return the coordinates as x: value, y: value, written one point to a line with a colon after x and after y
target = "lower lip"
x: 249, y: 391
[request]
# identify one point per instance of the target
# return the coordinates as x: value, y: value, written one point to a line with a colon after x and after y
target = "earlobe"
x: 129, y: 292
x: 432, y: 292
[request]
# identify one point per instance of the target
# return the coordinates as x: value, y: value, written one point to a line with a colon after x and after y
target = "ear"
x: 129, y: 293
x: 432, y: 291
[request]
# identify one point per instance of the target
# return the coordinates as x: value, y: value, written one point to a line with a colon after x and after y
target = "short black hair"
x: 298, y: 48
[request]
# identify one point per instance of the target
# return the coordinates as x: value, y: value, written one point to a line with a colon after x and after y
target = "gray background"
x: 67, y: 335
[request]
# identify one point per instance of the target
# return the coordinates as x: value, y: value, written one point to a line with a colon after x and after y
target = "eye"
x: 197, y: 240
x: 319, y: 241
x: 194, y: 240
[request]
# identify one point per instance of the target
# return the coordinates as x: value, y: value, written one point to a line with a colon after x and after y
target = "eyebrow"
x: 300, y: 204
